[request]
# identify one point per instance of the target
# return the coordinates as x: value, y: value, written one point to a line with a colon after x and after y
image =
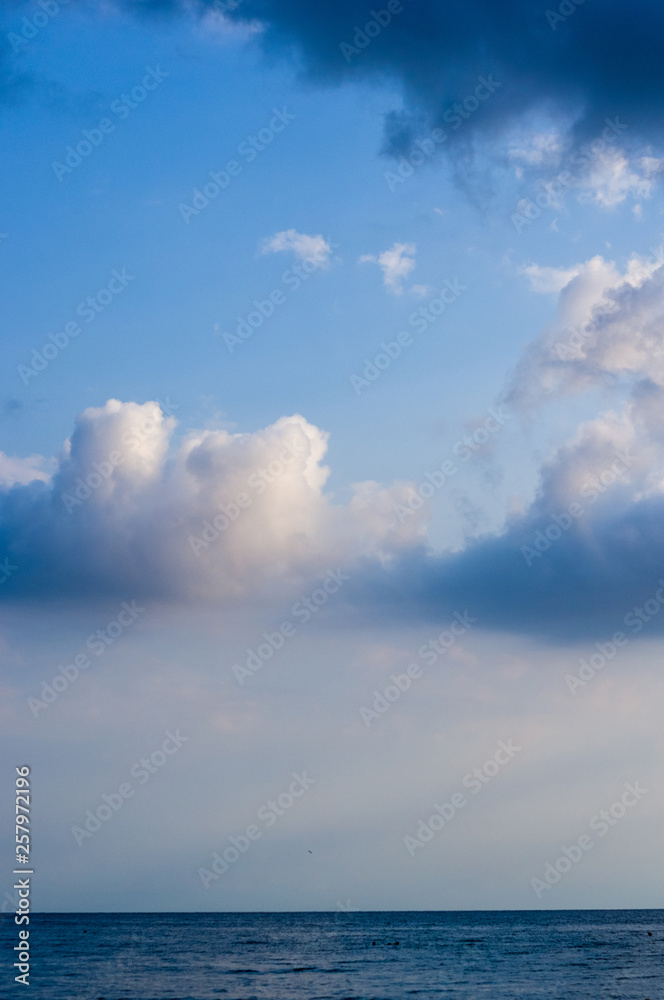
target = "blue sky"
x: 517, y: 281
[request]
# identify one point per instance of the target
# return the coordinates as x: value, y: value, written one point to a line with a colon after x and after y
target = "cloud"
x: 610, y: 326
x: 536, y: 149
x: 216, y: 25
x: 216, y: 517
x: 309, y: 248
x: 598, y: 60
x: 589, y: 548
x: 548, y: 280
x: 396, y: 264
x: 24, y: 470
x: 213, y: 517
x: 613, y: 177
x: 603, y: 175
x: 585, y: 553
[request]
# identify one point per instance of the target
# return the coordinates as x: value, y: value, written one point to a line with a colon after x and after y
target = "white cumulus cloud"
x: 132, y: 510
x: 609, y: 325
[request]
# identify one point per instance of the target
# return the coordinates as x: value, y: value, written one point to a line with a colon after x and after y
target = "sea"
x: 555, y: 954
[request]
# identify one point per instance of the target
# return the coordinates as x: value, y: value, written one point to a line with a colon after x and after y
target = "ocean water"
x: 558, y: 955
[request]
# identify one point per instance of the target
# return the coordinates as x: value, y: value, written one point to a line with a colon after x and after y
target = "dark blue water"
x: 562, y: 955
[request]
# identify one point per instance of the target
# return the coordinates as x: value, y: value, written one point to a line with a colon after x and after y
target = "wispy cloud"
x: 548, y: 280
x: 395, y: 263
x: 613, y: 177
x: 311, y: 248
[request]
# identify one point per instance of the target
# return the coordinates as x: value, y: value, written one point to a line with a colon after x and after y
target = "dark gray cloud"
x: 602, y: 59
x: 582, y: 586
x: 597, y: 59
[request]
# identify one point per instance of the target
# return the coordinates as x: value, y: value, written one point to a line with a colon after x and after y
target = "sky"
x: 331, y: 481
